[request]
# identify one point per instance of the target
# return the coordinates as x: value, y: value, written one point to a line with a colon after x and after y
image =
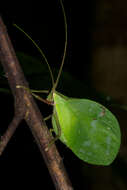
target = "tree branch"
x: 25, y: 104
x: 9, y: 133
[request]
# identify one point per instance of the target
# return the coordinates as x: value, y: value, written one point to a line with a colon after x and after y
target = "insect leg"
x: 31, y: 90
x: 36, y: 96
x: 48, y: 117
x: 57, y: 123
x: 58, y: 130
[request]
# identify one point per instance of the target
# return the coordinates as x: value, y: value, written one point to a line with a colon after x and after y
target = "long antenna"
x: 65, y: 47
x: 39, y: 49
x: 43, y: 55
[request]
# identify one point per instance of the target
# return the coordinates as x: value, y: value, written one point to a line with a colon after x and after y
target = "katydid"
x: 89, y: 129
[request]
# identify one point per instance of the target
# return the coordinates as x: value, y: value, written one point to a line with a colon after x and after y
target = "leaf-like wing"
x: 89, y: 129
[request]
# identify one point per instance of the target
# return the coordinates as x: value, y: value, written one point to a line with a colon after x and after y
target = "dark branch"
x: 10, y: 131
x: 25, y: 104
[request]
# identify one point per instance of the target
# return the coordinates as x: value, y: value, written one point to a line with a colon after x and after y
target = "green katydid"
x: 89, y: 129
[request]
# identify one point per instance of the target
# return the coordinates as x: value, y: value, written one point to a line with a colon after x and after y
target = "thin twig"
x: 24, y: 103
x: 9, y: 132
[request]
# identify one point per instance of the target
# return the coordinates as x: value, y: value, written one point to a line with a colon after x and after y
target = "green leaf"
x: 89, y: 129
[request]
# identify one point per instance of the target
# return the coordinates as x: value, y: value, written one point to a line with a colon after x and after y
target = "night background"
x: 95, y: 68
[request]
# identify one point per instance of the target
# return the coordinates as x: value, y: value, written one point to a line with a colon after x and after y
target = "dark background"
x: 43, y: 20
x: 21, y: 161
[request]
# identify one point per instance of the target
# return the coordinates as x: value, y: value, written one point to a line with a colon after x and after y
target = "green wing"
x: 89, y: 129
